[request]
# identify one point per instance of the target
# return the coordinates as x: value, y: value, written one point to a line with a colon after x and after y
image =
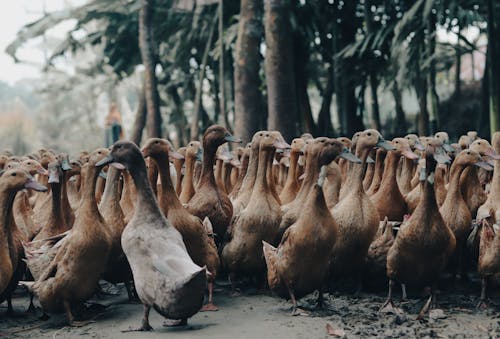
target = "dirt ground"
x: 261, y: 315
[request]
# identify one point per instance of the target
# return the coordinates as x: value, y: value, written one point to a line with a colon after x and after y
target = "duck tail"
x: 273, y: 278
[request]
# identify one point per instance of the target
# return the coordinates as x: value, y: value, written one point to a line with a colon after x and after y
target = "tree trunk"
x: 222, y: 78
x: 281, y: 90
x: 458, y: 65
x: 373, y: 74
x: 195, y: 122
x: 179, y: 116
x: 146, y: 45
x: 421, y: 89
x: 432, y: 97
x: 494, y: 68
x: 400, y: 123
x: 325, y: 126
x: 248, y: 102
x: 140, y: 118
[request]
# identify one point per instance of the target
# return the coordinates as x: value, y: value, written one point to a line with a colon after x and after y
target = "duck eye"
x: 468, y: 153
x: 369, y: 134
x: 397, y: 142
x: 14, y: 174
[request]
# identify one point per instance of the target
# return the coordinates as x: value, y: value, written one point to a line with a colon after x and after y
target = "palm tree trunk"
x: 146, y: 45
x: 432, y: 97
x: 400, y: 125
x: 281, y: 90
x: 494, y: 68
x: 325, y: 126
x: 140, y: 118
x: 248, y: 101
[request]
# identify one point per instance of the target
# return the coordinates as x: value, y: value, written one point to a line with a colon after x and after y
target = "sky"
x: 13, y: 16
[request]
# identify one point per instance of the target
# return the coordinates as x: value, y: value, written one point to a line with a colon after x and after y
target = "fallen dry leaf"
x: 336, y: 332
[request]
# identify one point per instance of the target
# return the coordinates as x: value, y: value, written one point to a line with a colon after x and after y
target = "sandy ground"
x: 261, y: 315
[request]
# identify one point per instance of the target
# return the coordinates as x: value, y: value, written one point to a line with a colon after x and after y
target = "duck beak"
x: 145, y: 152
x: 409, y: 154
x: 484, y: 165
x: 369, y: 160
x: 441, y: 157
x: 346, y: 154
x: 176, y: 155
x: 492, y: 154
x: 278, y: 144
x: 65, y: 165
x: 53, y: 177
x: 448, y: 148
x: 419, y: 146
x: 231, y: 138
x: 385, y: 144
x: 110, y: 160
x: 42, y: 171
x: 199, y: 154
x: 34, y: 185
x: 103, y: 175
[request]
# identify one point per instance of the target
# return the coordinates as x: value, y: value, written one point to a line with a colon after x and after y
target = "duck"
x: 73, y: 274
x: 356, y: 215
x: 388, y: 199
x: 193, y: 230
x: 342, y: 162
x: 22, y: 210
x: 454, y: 210
x: 73, y: 184
x: 292, y: 186
x: 331, y: 188
x: 493, y: 201
x: 236, y: 166
x: 408, y: 166
x: 165, y: 276
x: 299, y: 265
x: 117, y: 269
x: 424, y: 243
x: 12, y: 266
x: 209, y: 200
x: 472, y: 189
x: 489, y: 256
x: 242, y: 254
x: 178, y: 164
x: 128, y: 198
x: 68, y: 171
x: 193, y: 152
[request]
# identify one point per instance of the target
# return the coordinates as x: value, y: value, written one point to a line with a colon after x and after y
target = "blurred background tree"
x: 328, y: 67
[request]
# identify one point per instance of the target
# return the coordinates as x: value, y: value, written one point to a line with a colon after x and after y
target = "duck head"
x: 17, y: 179
x: 434, y: 152
x: 372, y: 138
x: 272, y: 140
x: 297, y: 146
x: 83, y: 157
x: 470, y: 157
x: 55, y: 172
x: 217, y: 135
x: 332, y: 149
x: 414, y: 142
x: 97, y: 156
x: 157, y: 147
x: 484, y: 148
x: 345, y: 141
x: 192, y: 150
x: 123, y: 155
x: 402, y: 147
x: 33, y: 167
x: 76, y: 167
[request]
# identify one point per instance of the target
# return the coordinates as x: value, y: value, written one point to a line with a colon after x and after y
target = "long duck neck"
x: 56, y: 222
x: 454, y: 191
x: 292, y: 170
x: 354, y: 180
x: 153, y: 176
x: 207, y: 170
x: 187, y: 183
x: 379, y: 168
x: 264, y: 182
x: 495, y: 182
x: 146, y: 203
x: 6, y: 221
x: 111, y: 195
x: 389, y: 179
x: 311, y: 175
x: 168, y: 198
x: 89, y: 202
x: 65, y: 205
x: 253, y: 164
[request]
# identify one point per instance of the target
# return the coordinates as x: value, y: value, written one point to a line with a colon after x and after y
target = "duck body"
x: 165, y: 276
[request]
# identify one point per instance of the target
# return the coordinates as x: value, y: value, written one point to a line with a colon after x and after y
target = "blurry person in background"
x: 113, y: 130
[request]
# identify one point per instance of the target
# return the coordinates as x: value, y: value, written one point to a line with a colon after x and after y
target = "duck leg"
x: 388, y: 306
x: 235, y: 292
x: 321, y: 299
x: 482, y: 299
x: 293, y: 300
x: 132, y: 294
x: 404, y: 296
x: 430, y: 303
x: 210, y: 306
x: 10, y: 309
x: 145, y: 326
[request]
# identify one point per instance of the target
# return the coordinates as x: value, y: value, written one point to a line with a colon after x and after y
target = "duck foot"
x: 425, y: 309
x: 388, y: 307
x: 209, y: 307
x: 76, y: 323
x: 143, y: 328
x: 297, y: 311
x: 236, y: 292
x: 482, y: 305
x: 176, y: 323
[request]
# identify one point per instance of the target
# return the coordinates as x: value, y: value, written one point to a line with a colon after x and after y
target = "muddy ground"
x: 262, y: 315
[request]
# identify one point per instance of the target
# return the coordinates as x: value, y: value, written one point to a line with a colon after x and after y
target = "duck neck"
x: 168, y: 199
x: 89, y: 202
x: 311, y: 175
x: 250, y: 176
x: 56, y: 222
x: 454, y: 191
x: 207, y: 171
x: 495, y: 182
x: 146, y: 203
x: 355, y: 179
x: 111, y: 195
x: 153, y: 176
x: 187, y: 183
x: 178, y: 170
x: 429, y: 202
x: 389, y: 179
x: 292, y: 170
x: 407, y: 169
x: 6, y: 220
x: 264, y: 181
x: 65, y: 206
